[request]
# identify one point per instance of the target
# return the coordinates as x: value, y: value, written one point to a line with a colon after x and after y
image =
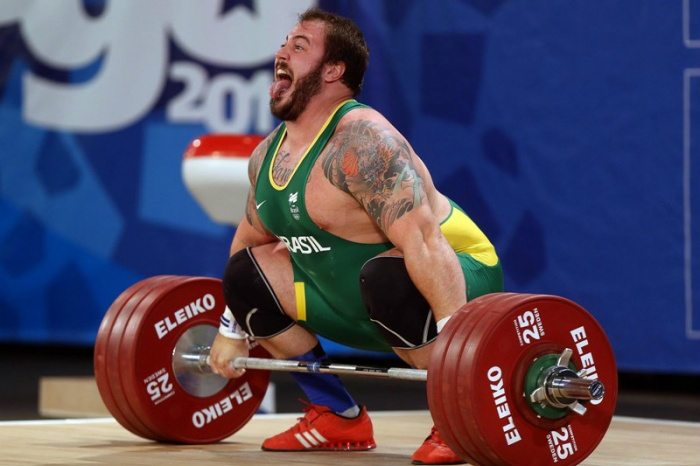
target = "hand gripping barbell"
x: 514, y: 379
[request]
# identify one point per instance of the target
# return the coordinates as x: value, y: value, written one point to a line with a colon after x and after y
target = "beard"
x: 304, y: 90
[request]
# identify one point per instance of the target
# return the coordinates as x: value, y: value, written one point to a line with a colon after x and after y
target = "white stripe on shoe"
x: 303, y: 441
x: 317, y: 434
x: 310, y: 439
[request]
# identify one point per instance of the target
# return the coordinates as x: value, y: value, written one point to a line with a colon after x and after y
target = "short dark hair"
x: 344, y: 42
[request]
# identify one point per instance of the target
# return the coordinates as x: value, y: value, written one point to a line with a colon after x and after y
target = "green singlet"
x: 327, y: 267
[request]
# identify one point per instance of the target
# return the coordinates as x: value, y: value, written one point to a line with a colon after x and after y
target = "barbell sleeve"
x: 576, y: 388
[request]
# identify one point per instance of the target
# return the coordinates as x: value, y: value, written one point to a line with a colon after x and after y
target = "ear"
x: 334, y: 71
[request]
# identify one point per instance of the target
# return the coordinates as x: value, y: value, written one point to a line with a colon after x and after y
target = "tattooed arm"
x: 374, y: 164
x: 250, y: 231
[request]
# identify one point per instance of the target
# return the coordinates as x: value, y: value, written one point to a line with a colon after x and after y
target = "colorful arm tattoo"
x: 374, y: 164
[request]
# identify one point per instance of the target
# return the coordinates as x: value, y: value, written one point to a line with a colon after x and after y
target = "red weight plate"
x: 440, y: 383
x: 115, y: 374
x: 445, y: 387
x: 503, y: 347
x: 120, y: 370
x: 101, y: 360
x: 113, y: 367
x: 461, y: 408
x: 496, y: 306
x: 466, y: 375
x: 168, y: 406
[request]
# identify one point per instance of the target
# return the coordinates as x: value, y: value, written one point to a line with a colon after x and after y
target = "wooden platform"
x: 70, y: 397
x: 101, y: 441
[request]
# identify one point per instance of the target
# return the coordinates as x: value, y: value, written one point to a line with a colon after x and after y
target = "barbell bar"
x: 199, y: 362
x: 560, y: 387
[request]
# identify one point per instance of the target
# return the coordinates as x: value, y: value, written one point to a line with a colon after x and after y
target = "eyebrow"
x: 298, y: 36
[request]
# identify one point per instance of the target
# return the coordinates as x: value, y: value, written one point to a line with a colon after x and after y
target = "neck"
x: 306, y: 127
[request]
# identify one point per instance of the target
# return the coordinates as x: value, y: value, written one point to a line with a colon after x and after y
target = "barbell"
x: 513, y: 379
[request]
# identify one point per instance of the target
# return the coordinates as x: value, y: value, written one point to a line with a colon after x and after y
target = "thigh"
x: 481, y: 279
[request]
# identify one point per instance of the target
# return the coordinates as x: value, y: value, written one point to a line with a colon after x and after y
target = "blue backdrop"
x: 570, y: 131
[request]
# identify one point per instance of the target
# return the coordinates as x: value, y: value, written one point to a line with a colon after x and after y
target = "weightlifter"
x: 344, y: 236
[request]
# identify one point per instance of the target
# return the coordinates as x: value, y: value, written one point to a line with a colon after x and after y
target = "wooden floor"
x: 630, y: 441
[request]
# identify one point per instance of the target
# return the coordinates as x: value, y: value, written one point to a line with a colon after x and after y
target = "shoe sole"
x: 362, y: 446
x: 454, y: 462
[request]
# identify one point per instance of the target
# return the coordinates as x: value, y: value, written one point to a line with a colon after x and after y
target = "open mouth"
x: 283, y: 81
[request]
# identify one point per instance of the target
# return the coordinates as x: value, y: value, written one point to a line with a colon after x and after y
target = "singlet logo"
x: 303, y: 244
x: 293, y: 205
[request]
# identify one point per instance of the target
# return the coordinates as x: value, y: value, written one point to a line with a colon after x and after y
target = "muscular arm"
x: 375, y: 165
x: 250, y: 231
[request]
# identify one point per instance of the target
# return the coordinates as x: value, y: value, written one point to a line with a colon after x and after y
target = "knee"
x: 238, y: 274
x: 251, y: 298
x: 394, y: 304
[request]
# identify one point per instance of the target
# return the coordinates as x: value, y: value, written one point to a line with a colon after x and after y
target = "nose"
x: 282, y: 53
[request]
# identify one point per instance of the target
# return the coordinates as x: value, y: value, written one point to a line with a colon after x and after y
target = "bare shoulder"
x: 258, y: 155
x: 369, y: 159
x: 372, y: 119
x: 360, y: 136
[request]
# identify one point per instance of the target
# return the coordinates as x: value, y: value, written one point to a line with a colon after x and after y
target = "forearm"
x: 435, y: 270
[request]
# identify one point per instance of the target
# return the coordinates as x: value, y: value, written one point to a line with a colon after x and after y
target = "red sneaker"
x: 435, y: 451
x: 322, y: 429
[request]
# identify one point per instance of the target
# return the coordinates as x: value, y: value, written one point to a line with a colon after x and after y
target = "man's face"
x: 298, y: 71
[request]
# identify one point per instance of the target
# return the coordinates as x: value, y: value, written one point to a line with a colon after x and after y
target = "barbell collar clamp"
x: 562, y: 387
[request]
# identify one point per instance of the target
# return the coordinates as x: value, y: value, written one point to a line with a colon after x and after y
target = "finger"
x: 232, y: 373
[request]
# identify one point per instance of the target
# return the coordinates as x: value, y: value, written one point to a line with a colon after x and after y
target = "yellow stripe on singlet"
x: 300, y: 293
x: 465, y: 237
